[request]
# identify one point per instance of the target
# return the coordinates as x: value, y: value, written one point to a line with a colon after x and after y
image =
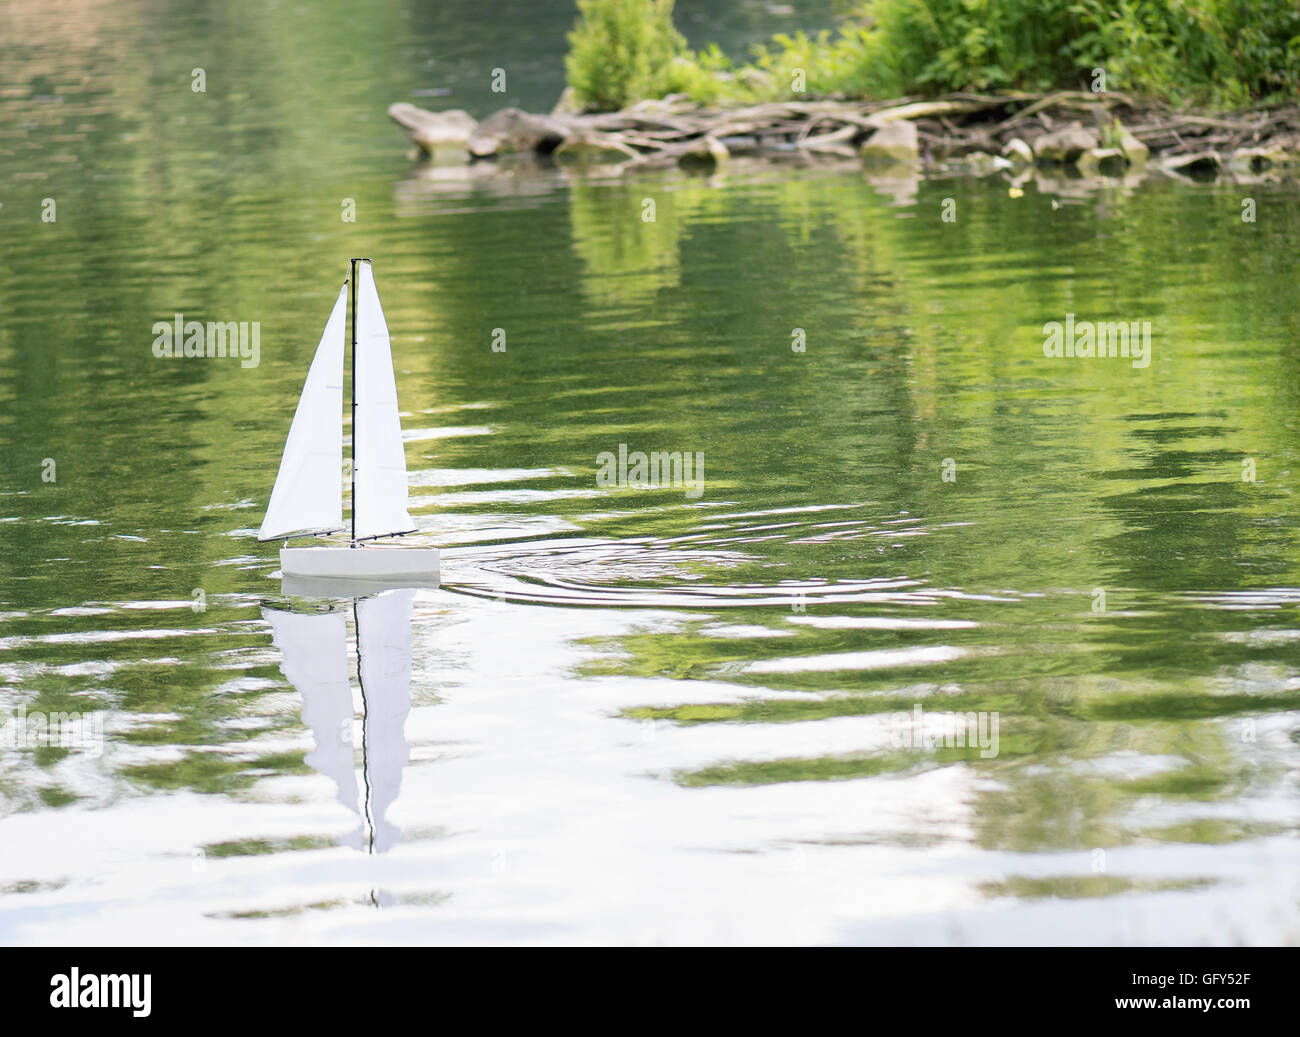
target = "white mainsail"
x: 308, y: 493
x: 379, y: 459
x: 315, y: 650
x: 384, y: 670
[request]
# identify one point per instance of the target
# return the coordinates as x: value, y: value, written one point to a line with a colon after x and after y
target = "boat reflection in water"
x: 315, y: 650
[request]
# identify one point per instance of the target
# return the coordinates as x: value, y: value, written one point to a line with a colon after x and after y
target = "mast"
x: 353, y: 466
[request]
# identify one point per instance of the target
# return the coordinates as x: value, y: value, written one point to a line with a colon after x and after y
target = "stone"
x: 705, y: 152
x: 1102, y: 161
x: 1064, y: 145
x: 511, y: 130
x: 893, y: 142
x: 1257, y: 160
x: 1202, y: 163
x: 1018, y: 152
x: 431, y: 131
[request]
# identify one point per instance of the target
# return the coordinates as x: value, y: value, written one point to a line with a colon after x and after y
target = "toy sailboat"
x: 307, y: 498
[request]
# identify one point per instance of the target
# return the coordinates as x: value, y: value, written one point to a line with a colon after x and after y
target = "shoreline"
x: 1070, y: 133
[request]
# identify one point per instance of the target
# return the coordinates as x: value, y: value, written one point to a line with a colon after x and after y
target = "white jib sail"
x: 315, y: 650
x: 308, y: 493
x: 384, y: 669
x: 379, y: 459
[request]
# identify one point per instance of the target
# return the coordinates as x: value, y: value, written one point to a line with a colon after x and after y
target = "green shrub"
x: 1230, y: 52
x: 621, y: 51
x: 1264, y: 40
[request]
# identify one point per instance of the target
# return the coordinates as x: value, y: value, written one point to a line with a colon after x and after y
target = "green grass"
x: 1229, y: 53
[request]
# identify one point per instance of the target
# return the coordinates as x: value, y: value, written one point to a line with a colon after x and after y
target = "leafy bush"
x: 623, y: 50
x: 1230, y: 52
x: 1265, y: 45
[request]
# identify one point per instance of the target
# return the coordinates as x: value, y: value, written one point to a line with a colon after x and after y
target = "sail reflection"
x: 315, y: 650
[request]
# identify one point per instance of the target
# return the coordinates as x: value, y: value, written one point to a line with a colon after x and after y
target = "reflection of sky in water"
x: 532, y: 807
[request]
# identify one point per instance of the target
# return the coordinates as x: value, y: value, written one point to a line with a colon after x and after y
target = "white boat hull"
x: 372, y: 562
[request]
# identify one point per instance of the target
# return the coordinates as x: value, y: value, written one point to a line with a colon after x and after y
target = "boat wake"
x: 648, y: 574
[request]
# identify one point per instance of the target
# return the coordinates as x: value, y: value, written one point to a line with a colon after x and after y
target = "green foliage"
x: 1264, y: 39
x: 623, y: 50
x: 1228, y: 52
x: 708, y: 76
x: 848, y: 63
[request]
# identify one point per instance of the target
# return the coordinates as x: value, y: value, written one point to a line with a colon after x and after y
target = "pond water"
x: 687, y: 713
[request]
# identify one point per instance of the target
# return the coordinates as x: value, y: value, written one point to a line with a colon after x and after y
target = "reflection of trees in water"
x: 1110, y: 721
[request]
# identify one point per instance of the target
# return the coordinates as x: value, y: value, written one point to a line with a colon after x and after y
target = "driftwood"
x: 955, y: 127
